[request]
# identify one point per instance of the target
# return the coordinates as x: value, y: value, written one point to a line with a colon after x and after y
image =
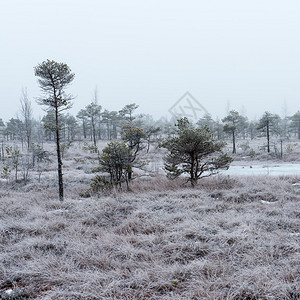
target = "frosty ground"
x: 228, y: 238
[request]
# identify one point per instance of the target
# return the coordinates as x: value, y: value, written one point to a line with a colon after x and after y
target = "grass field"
x: 228, y: 238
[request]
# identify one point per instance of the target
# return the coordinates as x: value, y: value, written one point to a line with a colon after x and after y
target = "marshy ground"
x: 228, y: 238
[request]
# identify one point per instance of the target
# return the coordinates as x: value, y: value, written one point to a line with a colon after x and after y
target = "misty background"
x: 228, y: 54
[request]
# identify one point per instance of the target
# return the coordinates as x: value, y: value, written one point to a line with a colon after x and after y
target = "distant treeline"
x: 93, y: 123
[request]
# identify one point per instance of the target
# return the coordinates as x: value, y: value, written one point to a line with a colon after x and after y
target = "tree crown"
x: 54, y: 78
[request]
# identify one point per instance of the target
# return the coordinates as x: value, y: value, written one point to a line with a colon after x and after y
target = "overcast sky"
x: 242, y: 55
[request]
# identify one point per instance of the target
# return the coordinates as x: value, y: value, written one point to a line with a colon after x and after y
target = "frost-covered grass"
x: 228, y: 238
x: 256, y: 150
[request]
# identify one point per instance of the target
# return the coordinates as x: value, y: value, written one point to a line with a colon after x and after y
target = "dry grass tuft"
x: 225, y: 239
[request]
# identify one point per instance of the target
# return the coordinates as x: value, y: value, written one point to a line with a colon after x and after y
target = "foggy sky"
x: 242, y: 55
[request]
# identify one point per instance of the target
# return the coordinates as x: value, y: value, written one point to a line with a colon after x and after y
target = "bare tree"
x: 54, y: 78
x: 92, y: 112
x: 26, y: 113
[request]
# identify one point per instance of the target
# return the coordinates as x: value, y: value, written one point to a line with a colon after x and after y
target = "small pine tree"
x: 116, y: 161
x: 268, y: 124
x: 193, y: 151
x: 234, y: 123
x: 134, y: 138
x: 12, y: 162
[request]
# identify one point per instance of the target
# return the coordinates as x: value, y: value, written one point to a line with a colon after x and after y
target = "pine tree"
x: 54, y: 78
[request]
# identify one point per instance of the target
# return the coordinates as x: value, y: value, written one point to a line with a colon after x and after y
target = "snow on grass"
x: 164, y: 240
x: 231, y: 237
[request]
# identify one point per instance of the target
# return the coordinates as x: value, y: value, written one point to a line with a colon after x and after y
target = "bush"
x: 252, y: 153
x: 100, y: 184
x: 90, y: 148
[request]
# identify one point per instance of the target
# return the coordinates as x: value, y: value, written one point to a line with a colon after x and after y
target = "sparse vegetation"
x: 101, y: 200
x: 116, y: 160
x: 11, y: 163
x: 114, y: 237
x: 225, y: 239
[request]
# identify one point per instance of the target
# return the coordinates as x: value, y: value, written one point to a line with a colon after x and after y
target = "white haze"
x: 241, y: 55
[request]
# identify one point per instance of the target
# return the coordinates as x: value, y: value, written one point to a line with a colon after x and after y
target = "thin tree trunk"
x: 192, y: 177
x: 148, y: 145
x: 129, y: 174
x: 108, y: 131
x: 28, y: 142
x: 16, y: 176
x: 59, y: 160
x: 115, y: 130
x: 84, y: 129
x: 233, y: 142
x: 94, y: 132
x: 268, y: 136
